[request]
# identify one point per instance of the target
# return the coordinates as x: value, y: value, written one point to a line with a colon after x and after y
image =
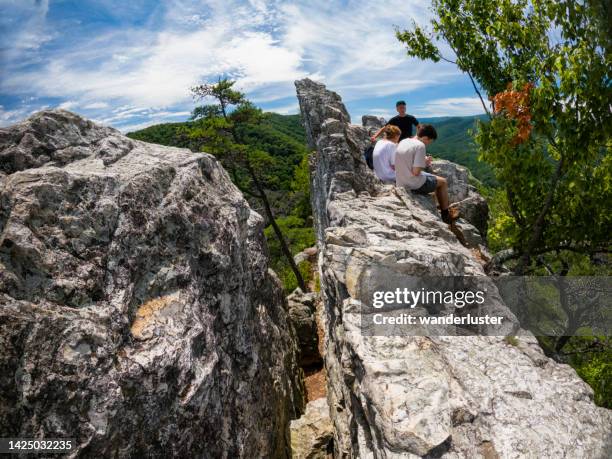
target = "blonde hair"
x: 391, y: 131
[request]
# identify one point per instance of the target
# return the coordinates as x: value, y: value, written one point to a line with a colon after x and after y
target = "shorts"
x: 431, y: 182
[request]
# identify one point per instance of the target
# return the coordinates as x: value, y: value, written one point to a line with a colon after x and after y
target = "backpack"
x: 368, y: 155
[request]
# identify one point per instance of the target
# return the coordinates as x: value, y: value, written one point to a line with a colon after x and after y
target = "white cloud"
x: 355, y: 49
x: 379, y: 112
x: 122, y: 118
x: 8, y: 117
x: 264, y: 45
x: 96, y: 105
x: 138, y: 126
x: 159, y: 71
x: 161, y: 117
x: 451, y: 106
x: 26, y: 26
x: 290, y: 109
x: 68, y: 105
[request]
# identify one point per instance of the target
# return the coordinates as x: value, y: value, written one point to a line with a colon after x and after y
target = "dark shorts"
x: 429, y: 186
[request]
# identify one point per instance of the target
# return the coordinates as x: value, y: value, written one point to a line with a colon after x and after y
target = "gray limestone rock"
x: 302, y: 309
x: 138, y: 312
x: 308, y: 254
x: 372, y: 123
x: 471, y: 205
x: 424, y: 396
x: 455, y: 175
x: 475, y: 210
x: 312, y: 434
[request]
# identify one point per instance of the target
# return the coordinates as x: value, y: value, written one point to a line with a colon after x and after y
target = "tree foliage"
x: 547, y: 66
x: 300, y: 235
x: 222, y: 127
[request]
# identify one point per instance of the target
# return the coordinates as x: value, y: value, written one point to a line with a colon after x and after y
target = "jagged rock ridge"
x: 410, y: 397
x: 138, y: 312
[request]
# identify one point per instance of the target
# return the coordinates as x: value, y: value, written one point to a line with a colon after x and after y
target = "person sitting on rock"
x: 401, y: 120
x: 384, y: 154
x: 410, y: 162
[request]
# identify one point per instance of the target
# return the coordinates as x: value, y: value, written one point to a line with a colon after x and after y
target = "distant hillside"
x: 455, y: 144
x: 289, y: 126
x: 284, y: 137
x: 163, y: 134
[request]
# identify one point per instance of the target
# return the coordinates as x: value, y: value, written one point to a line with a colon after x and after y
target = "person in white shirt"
x: 410, y: 160
x: 383, y: 156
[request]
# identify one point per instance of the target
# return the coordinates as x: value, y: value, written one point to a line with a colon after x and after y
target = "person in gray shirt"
x: 410, y: 162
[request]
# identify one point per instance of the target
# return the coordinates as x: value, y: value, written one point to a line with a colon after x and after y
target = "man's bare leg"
x: 442, y: 196
x: 442, y: 192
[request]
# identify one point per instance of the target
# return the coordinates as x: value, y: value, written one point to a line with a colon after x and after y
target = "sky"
x: 130, y: 64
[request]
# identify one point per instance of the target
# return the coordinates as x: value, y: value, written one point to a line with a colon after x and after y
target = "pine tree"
x: 219, y: 127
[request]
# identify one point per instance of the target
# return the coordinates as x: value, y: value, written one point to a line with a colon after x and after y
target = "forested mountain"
x: 284, y: 137
x: 455, y: 144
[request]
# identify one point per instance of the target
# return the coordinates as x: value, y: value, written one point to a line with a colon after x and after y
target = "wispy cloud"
x: 25, y: 29
x: 381, y: 113
x: 149, y: 64
x: 96, y: 105
x: 68, y: 105
x: 289, y: 109
x: 451, y: 106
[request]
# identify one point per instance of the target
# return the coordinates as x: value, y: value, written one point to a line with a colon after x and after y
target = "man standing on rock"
x: 401, y: 120
x: 410, y: 160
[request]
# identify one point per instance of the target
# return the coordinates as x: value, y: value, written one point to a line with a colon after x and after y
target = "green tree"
x: 222, y: 128
x: 300, y: 187
x: 547, y: 66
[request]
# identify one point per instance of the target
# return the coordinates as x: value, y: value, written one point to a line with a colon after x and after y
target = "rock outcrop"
x: 137, y: 311
x: 312, y: 434
x: 302, y: 309
x: 372, y: 123
x: 423, y: 396
x: 472, y: 207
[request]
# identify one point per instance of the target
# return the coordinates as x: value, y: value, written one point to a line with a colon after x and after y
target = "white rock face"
x: 472, y: 207
x: 138, y: 315
x: 411, y: 397
x: 456, y: 176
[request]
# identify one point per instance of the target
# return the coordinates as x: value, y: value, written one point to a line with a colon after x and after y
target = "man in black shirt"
x: 402, y: 121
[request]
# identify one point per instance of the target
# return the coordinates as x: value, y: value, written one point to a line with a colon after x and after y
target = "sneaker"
x: 446, y: 218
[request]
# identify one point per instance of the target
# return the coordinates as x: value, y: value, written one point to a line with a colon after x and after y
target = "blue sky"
x: 129, y: 64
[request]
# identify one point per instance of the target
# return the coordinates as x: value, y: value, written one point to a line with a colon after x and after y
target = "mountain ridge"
x: 454, y: 142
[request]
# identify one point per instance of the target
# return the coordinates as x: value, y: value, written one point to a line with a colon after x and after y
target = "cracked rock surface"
x: 312, y: 434
x: 423, y: 396
x: 137, y: 311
